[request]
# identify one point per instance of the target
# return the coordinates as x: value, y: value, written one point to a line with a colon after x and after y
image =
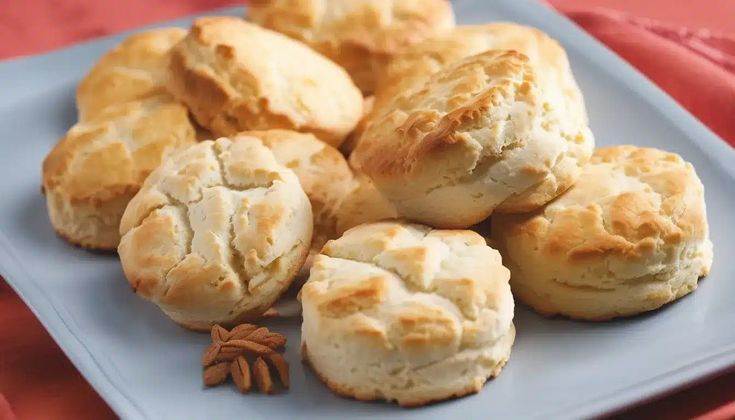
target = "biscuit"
x: 216, y: 233
x: 630, y: 236
x: 405, y: 313
x: 91, y: 174
x: 478, y: 136
x: 237, y: 76
x: 360, y: 35
x: 133, y: 70
x: 322, y: 170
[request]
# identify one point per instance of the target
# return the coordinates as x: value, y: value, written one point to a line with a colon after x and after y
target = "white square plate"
x: 144, y: 366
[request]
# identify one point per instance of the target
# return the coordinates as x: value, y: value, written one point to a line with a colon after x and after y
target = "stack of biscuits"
x: 363, y: 141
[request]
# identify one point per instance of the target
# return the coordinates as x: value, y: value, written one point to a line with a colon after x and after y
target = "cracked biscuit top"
x: 216, y: 233
x: 544, y: 53
x: 631, y: 205
x: 426, y: 294
x: 479, y: 136
x: 235, y: 76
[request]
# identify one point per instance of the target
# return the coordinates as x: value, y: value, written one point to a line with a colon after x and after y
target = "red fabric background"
x: 687, y: 48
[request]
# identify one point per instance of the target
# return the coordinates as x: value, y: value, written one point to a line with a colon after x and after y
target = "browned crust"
x: 347, y: 300
x: 425, y: 133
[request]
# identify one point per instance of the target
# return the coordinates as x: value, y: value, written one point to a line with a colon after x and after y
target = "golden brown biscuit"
x: 630, y: 236
x: 360, y: 35
x: 237, y: 76
x: 133, y: 70
x: 478, y: 136
x: 92, y: 173
x: 217, y: 232
x: 406, y: 313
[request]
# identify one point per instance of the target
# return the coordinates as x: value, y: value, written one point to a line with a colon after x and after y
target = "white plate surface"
x: 144, y: 366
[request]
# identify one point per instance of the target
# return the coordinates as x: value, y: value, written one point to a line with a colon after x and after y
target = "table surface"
x: 35, y: 376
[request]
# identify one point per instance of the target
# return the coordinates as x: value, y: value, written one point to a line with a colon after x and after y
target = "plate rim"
x: 712, y: 146
x: 57, y: 326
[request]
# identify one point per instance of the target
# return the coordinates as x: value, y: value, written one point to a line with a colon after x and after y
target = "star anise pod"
x: 226, y: 356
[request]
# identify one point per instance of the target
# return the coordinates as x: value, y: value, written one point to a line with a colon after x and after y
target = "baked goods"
x: 630, y: 236
x: 549, y: 59
x: 476, y: 137
x: 483, y: 122
x: 216, y: 233
x: 359, y: 35
x: 91, y: 174
x: 237, y: 76
x: 133, y: 70
x: 406, y: 313
x: 363, y: 204
x: 322, y: 171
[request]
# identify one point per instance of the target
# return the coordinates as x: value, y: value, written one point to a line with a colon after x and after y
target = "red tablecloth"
x: 686, y: 47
